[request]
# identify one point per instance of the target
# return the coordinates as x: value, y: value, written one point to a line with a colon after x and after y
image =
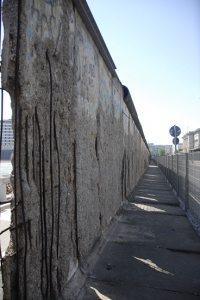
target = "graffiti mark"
x: 91, y: 82
x: 117, y: 108
x: 126, y: 121
x: 87, y: 68
x: 44, y: 21
x: 91, y: 74
x: 91, y: 70
x: 105, y: 98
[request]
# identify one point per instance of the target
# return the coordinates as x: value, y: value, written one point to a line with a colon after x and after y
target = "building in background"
x: 154, y: 149
x: 7, y: 140
x: 179, y: 148
x: 168, y: 149
x: 7, y: 135
x: 191, y: 141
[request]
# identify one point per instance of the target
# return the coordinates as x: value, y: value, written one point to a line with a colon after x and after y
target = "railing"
x: 183, y: 173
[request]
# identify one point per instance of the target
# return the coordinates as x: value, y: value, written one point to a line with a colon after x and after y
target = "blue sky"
x: 155, y: 45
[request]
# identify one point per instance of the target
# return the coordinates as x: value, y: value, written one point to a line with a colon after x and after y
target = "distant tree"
x: 161, y: 152
x: 177, y: 151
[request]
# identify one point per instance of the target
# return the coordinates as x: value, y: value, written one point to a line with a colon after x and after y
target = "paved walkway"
x: 153, y: 251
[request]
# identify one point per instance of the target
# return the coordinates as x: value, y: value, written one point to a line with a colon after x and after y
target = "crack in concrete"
x: 93, y: 278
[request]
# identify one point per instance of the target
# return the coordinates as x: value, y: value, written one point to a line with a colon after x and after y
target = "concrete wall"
x: 79, y: 146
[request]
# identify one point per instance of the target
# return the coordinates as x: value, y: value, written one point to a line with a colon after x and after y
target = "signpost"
x: 175, y: 141
x: 175, y: 131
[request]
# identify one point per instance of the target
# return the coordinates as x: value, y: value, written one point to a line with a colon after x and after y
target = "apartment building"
x: 7, y: 140
x: 7, y: 134
x: 168, y: 149
x: 191, y: 141
x: 154, y: 149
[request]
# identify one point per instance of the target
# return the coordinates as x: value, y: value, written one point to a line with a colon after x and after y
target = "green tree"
x: 161, y: 152
x: 177, y: 151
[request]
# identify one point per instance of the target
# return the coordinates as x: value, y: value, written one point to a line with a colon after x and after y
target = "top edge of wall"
x: 129, y: 103
x: 87, y: 17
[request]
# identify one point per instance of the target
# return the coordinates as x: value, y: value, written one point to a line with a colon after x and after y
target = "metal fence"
x: 183, y: 173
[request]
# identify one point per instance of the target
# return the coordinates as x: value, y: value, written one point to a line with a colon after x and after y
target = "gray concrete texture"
x: 78, y: 152
x: 151, y: 253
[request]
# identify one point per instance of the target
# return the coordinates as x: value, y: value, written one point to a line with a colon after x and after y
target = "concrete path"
x: 153, y: 251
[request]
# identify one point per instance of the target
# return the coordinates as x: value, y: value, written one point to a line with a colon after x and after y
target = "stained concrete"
x: 79, y: 147
x: 153, y: 251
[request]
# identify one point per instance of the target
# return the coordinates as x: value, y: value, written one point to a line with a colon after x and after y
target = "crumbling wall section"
x: 78, y: 151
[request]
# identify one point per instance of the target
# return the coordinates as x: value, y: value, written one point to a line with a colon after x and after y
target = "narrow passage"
x: 153, y: 251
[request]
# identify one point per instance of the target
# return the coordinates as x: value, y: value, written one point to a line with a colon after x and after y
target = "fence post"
x: 177, y: 172
x: 172, y: 172
x: 186, y: 181
x: 167, y: 167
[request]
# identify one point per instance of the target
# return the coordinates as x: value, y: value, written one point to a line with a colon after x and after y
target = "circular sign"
x: 175, y: 141
x: 175, y: 131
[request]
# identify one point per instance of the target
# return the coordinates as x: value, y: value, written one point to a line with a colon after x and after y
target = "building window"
x: 196, y: 137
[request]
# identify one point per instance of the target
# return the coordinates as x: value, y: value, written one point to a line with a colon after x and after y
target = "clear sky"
x: 7, y: 113
x: 155, y: 45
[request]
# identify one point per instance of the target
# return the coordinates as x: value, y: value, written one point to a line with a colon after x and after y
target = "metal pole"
x: 175, y: 137
x: 177, y: 172
x: 172, y: 173
x: 186, y: 181
x: 167, y: 167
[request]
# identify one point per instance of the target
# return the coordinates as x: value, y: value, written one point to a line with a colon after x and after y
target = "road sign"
x: 175, y: 131
x: 175, y: 141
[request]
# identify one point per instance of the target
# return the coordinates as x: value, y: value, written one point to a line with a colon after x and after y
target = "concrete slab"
x: 95, y: 290
x: 153, y: 192
x: 161, y: 220
x: 155, y: 208
x: 145, y: 267
x: 157, y: 236
x: 154, y: 187
x: 153, y: 251
x: 156, y: 197
x: 143, y: 188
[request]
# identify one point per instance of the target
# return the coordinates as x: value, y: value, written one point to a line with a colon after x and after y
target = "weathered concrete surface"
x: 79, y: 148
x: 152, y: 253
